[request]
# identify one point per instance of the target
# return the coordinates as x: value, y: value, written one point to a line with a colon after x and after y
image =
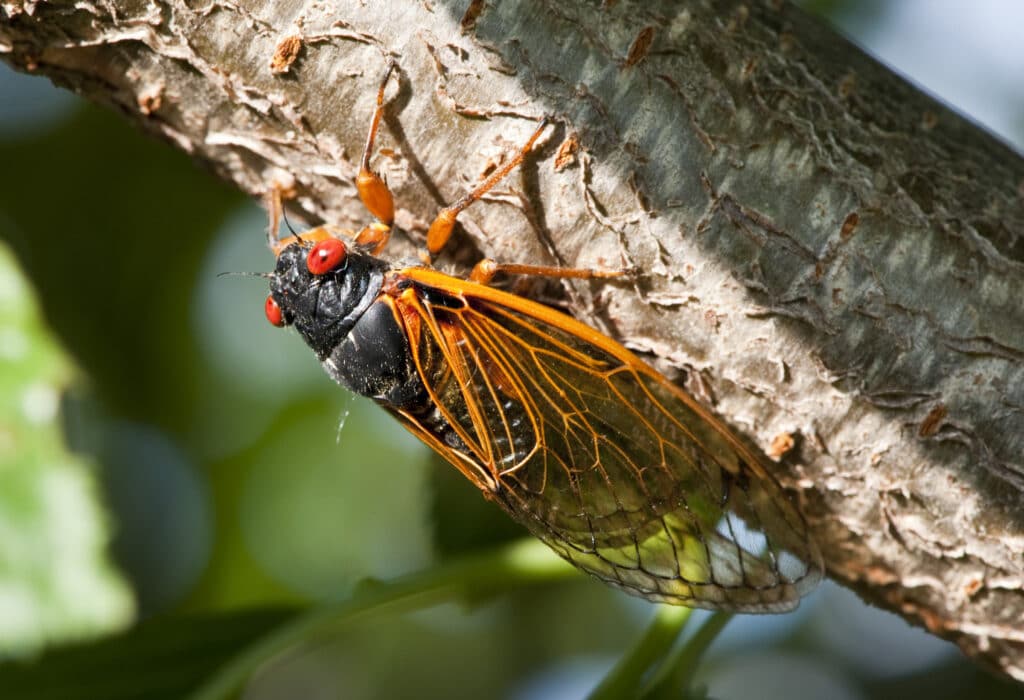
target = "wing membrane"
x: 615, y: 468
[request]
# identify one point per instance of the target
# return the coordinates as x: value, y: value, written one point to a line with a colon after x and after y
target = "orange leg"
x: 274, y: 210
x: 485, y: 270
x: 373, y: 191
x: 374, y: 237
x: 441, y: 229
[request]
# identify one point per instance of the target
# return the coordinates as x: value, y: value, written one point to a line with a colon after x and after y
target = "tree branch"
x: 838, y: 255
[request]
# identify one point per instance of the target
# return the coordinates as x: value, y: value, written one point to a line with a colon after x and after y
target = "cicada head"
x: 322, y: 289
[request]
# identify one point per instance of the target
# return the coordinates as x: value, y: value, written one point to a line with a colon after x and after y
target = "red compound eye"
x: 326, y: 255
x: 273, y: 312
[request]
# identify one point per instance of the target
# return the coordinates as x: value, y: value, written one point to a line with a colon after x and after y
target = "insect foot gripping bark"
x: 618, y: 470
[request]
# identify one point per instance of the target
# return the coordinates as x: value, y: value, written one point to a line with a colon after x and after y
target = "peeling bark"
x: 840, y: 257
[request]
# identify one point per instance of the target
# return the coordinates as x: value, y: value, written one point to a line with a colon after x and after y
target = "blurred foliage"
x: 56, y: 581
x: 211, y: 655
x: 163, y: 659
x: 111, y: 233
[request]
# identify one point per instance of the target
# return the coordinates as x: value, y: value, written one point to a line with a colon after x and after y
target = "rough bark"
x: 829, y: 254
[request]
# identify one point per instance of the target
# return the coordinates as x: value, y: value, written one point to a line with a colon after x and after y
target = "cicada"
x: 617, y: 469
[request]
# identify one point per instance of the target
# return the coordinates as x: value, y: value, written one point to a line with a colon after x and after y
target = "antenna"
x: 284, y: 215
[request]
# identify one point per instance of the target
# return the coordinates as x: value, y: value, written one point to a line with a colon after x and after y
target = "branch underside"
x: 839, y: 255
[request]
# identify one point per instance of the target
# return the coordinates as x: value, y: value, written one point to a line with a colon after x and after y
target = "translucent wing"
x: 616, y: 469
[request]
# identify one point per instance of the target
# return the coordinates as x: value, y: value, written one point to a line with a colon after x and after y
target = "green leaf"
x: 56, y: 582
x: 675, y: 676
x: 625, y: 678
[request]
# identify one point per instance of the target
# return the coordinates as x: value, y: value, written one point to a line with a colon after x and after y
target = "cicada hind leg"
x: 373, y: 191
x: 441, y: 228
